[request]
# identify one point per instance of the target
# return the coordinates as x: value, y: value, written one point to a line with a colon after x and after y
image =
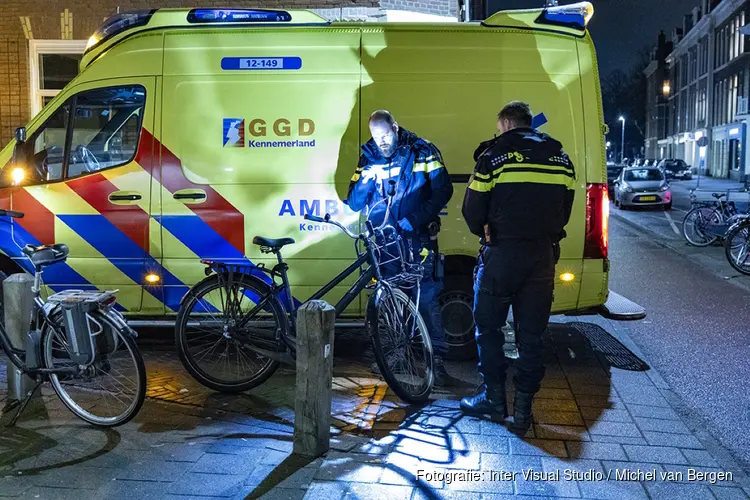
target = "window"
x: 643, y: 174
x: 106, y: 128
x: 53, y: 64
x: 104, y: 133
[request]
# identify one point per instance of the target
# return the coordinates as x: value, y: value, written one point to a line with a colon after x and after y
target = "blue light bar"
x: 238, y: 16
x: 573, y: 16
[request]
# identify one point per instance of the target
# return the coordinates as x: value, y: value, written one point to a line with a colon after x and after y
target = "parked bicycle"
x: 708, y: 222
x: 81, y: 345
x: 737, y: 245
x: 233, y: 328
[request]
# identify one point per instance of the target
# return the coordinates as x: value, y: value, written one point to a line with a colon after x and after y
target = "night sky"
x: 621, y: 27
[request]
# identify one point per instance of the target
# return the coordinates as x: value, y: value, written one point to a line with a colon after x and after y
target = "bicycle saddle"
x: 718, y: 196
x: 272, y: 243
x: 46, y: 254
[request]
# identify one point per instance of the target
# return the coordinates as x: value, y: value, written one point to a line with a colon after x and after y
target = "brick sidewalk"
x: 190, y: 442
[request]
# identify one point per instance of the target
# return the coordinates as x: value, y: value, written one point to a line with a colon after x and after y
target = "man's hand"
x: 405, y: 225
x: 368, y: 174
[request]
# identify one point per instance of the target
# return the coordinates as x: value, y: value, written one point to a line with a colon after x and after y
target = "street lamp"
x: 622, y: 153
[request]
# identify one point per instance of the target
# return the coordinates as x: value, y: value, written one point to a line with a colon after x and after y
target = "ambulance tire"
x: 211, y: 380
x: 457, y: 310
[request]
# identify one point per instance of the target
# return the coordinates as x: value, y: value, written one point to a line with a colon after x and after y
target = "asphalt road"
x: 696, y: 334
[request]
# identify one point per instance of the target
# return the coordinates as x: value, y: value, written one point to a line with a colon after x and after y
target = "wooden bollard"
x: 312, y: 403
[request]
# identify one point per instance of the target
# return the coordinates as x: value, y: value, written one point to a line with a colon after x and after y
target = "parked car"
x: 613, y: 172
x: 675, y: 169
x: 642, y: 186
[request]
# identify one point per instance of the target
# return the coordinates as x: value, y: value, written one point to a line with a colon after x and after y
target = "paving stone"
x: 700, y: 457
x: 558, y: 417
x: 212, y: 463
x: 218, y: 485
x: 655, y: 454
x: 659, y: 425
x: 478, y: 442
x: 380, y: 491
x: 150, y: 470
x: 653, y: 412
x: 425, y: 494
x: 553, y: 405
x: 585, y: 400
x: 554, y: 393
x: 556, y: 488
x: 551, y: 464
x: 605, y: 415
x: 563, y: 432
x: 619, y: 439
x: 593, y: 390
x: 724, y: 493
x: 85, y: 478
x: 343, y: 470
x: 555, y: 383
x: 131, y: 489
x: 13, y: 486
x: 678, y: 491
x: 327, y: 490
x: 279, y: 493
x: 543, y: 447
x: 607, y: 490
x: 595, y: 451
x: 647, y: 396
x: 49, y: 493
x: 677, y: 440
x: 510, y: 463
x: 490, y: 428
x: 489, y: 482
x: 357, y: 457
x: 612, y: 428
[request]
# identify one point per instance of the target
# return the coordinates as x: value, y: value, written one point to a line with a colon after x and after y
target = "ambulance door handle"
x: 124, y: 197
x: 194, y: 195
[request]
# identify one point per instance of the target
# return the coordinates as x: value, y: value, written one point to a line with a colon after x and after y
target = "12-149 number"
x: 257, y: 63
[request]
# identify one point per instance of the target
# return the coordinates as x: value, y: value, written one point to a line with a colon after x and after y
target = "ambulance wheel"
x: 457, y: 310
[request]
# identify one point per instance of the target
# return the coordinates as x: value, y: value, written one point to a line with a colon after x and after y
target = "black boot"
x: 522, y: 413
x: 442, y: 378
x: 487, y: 402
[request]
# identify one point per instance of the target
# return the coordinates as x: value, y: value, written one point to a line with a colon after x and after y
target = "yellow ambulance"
x: 189, y: 132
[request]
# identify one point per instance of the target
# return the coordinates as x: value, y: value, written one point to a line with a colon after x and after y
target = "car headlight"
x: 664, y: 187
x: 627, y: 188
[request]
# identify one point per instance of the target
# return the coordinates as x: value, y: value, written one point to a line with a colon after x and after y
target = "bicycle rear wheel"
x: 111, y: 390
x: 737, y: 249
x: 213, y: 349
x: 401, y: 344
x: 697, y: 224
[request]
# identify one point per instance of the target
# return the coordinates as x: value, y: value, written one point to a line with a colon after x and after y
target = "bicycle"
x: 737, y: 245
x: 74, y: 341
x: 266, y: 325
x: 708, y: 222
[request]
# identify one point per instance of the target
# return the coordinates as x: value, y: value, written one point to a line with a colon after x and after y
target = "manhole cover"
x: 616, y: 354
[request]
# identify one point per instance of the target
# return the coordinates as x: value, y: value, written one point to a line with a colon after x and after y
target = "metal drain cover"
x: 616, y: 354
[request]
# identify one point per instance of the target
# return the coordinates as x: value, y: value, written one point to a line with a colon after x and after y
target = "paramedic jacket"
x: 423, y: 186
x: 522, y: 188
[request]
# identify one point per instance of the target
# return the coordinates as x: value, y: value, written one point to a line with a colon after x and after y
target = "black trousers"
x: 518, y: 273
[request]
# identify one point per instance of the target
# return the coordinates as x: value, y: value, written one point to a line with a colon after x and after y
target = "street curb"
x: 692, y: 421
x: 658, y: 240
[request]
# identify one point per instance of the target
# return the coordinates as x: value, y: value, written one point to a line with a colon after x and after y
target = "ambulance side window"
x: 48, y: 147
x: 106, y: 129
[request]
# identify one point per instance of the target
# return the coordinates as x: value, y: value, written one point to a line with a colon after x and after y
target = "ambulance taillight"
x: 596, y: 245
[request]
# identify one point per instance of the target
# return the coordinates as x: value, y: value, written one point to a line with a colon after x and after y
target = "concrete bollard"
x: 312, y: 402
x: 18, y: 303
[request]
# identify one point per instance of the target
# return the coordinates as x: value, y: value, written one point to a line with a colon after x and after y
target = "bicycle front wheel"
x: 212, y: 346
x: 737, y: 249
x: 401, y: 344
x: 697, y: 225
x: 111, y: 390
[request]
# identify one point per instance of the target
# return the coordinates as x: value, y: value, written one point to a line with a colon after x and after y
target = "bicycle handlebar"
x: 12, y: 214
x: 327, y: 218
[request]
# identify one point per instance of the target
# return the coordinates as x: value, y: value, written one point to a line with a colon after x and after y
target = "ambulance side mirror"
x: 20, y: 135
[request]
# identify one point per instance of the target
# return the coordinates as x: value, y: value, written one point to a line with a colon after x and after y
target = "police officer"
x: 518, y: 202
x: 423, y: 188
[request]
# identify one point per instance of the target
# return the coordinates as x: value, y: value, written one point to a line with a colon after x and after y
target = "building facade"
x: 709, y: 78
x: 657, y: 97
x: 41, y: 42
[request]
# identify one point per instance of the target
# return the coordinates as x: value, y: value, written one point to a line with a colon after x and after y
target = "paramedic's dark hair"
x: 382, y: 116
x: 518, y: 113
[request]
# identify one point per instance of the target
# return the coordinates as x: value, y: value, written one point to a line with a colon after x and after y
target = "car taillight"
x: 597, y: 222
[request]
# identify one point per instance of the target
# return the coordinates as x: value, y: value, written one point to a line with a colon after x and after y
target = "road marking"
x: 671, y: 223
